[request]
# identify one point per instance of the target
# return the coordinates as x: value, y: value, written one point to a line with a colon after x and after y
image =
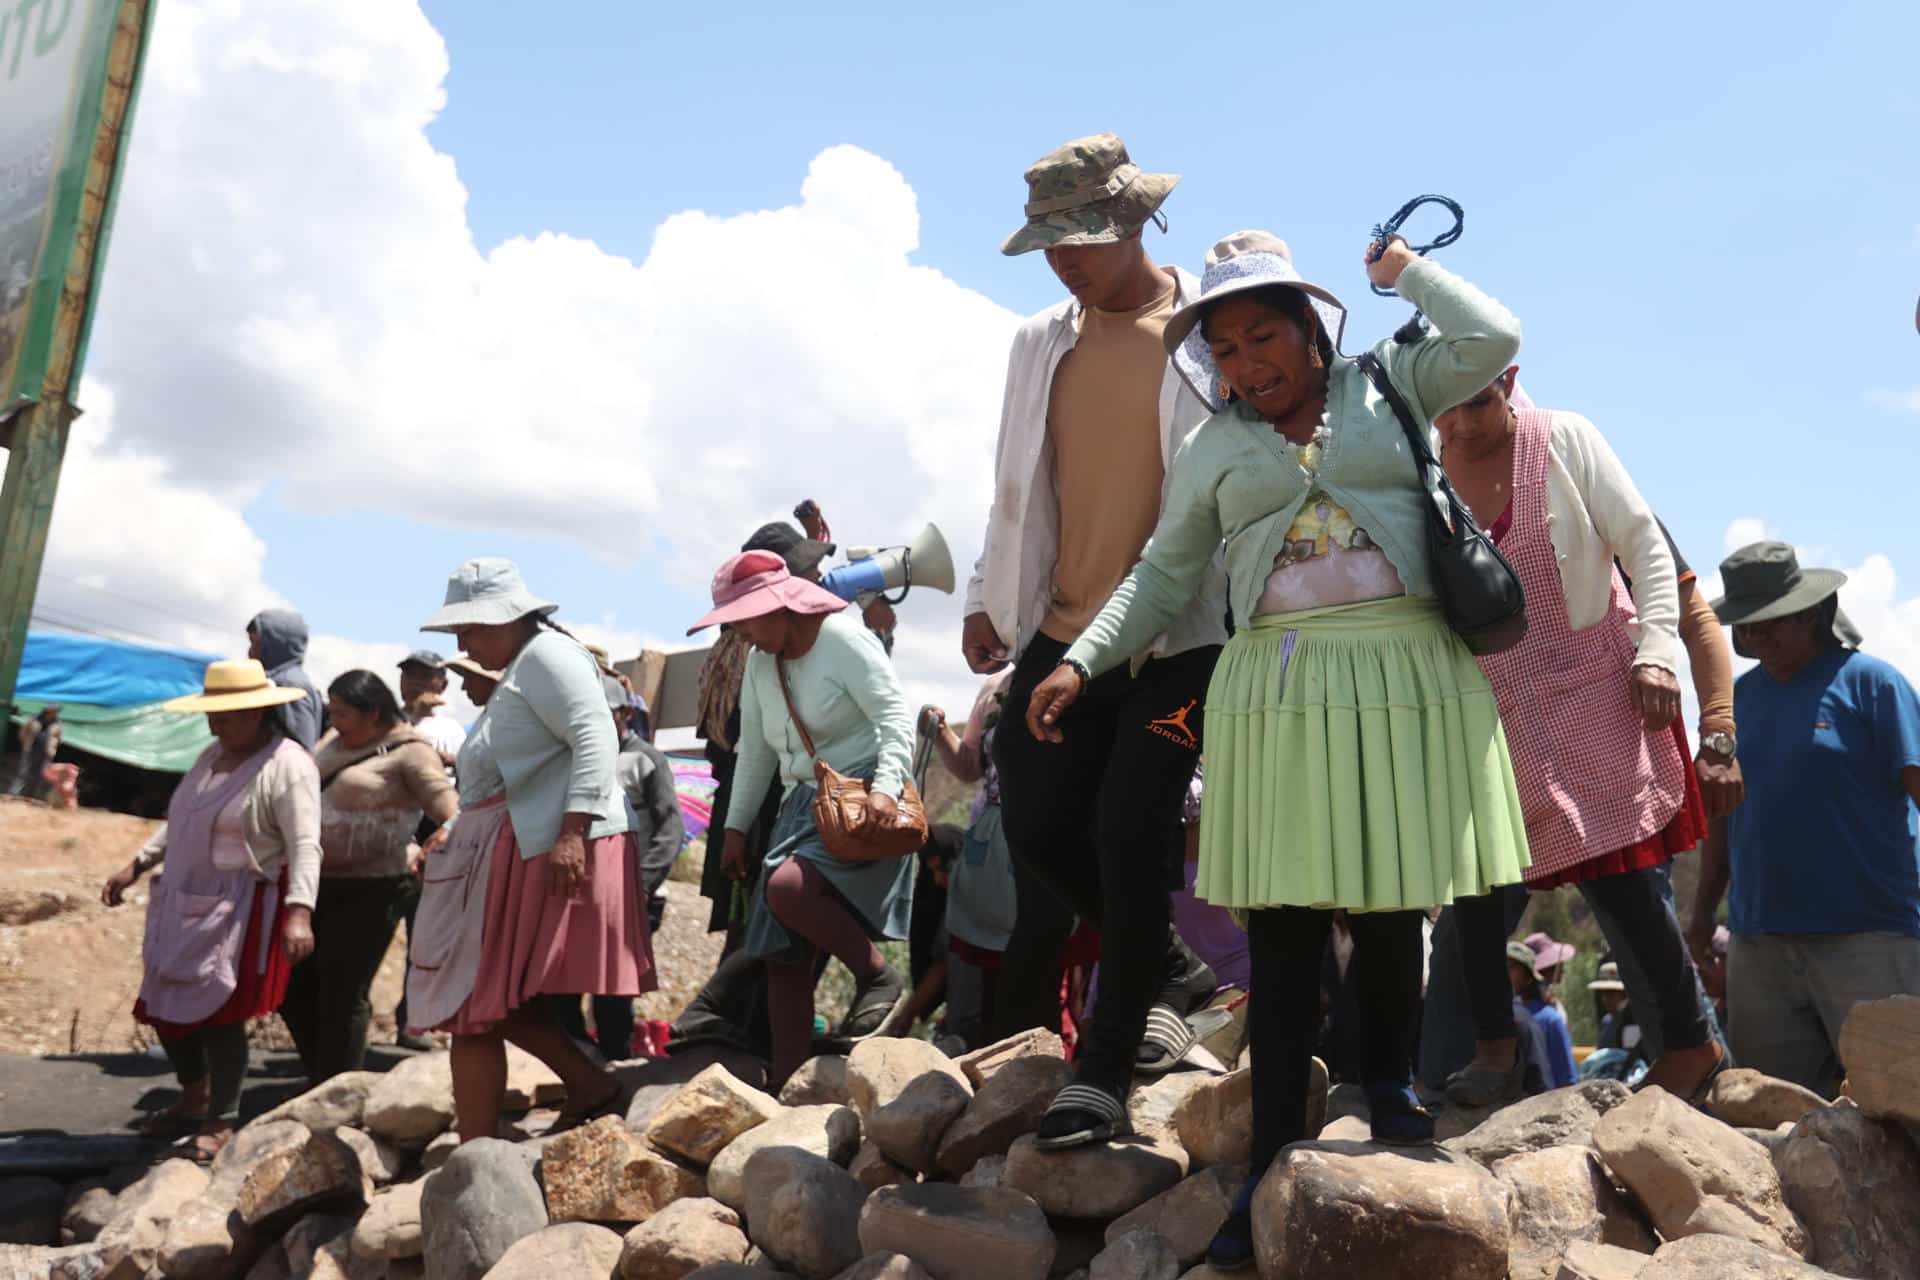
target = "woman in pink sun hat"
x: 841, y: 703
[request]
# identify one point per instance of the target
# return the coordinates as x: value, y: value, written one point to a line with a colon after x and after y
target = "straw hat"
x: 237, y: 685
x: 1244, y: 260
x: 486, y: 592
x: 1521, y: 953
x: 1607, y: 979
x: 463, y: 665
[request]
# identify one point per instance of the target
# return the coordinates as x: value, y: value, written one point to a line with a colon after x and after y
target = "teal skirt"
x: 1355, y: 759
x: 880, y: 894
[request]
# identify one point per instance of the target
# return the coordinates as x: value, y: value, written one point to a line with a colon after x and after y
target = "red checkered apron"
x: 1592, y: 778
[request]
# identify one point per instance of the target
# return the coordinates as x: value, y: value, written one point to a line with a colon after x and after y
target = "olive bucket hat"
x: 1764, y: 580
x: 1088, y: 191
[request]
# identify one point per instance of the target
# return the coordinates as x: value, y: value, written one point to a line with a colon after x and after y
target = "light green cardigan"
x: 1238, y: 479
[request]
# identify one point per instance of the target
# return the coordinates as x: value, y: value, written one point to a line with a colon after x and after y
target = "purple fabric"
x: 1213, y: 935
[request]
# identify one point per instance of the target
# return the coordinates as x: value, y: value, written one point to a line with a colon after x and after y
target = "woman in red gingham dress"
x: 1591, y: 707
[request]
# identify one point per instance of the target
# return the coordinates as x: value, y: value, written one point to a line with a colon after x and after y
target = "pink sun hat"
x: 755, y: 583
x: 1548, y: 952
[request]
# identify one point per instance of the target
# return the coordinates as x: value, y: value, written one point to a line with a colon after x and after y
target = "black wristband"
x: 1080, y: 669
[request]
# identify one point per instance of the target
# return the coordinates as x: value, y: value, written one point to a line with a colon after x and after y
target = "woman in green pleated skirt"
x: 1354, y: 755
x: 1355, y: 759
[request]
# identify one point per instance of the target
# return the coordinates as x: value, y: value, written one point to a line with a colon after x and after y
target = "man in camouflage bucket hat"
x: 1092, y: 414
x: 1088, y: 192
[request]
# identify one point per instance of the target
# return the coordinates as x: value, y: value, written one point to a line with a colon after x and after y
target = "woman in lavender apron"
x: 538, y: 888
x: 230, y: 916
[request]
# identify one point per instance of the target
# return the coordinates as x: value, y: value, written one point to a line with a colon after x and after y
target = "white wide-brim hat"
x: 485, y: 593
x: 1244, y: 260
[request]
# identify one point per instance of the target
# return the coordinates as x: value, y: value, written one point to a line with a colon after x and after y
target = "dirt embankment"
x: 70, y: 967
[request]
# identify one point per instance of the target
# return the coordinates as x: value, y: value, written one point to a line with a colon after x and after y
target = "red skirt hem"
x: 259, y: 990
x: 1682, y: 834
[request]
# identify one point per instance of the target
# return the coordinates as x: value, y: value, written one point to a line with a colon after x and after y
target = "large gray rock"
x: 1215, y: 1121
x: 1748, y: 1099
x: 960, y: 1233
x: 30, y: 1210
x: 390, y: 1228
x: 1694, y: 1175
x: 1718, y: 1257
x: 711, y: 1110
x: 804, y: 1210
x: 604, y: 1172
x: 1855, y: 1183
x: 885, y: 1266
x: 907, y: 1093
x: 819, y: 1081
x: 826, y: 1130
x: 1558, y: 1118
x: 329, y: 1105
x: 1561, y: 1195
x: 412, y: 1103
x: 980, y: 1065
x: 1135, y: 1255
x: 476, y: 1207
x: 576, y: 1250
x: 684, y: 1236
x: 129, y: 1246
x: 1584, y: 1260
x: 1104, y: 1180
x: 1880, y: 1043
x: 1009, y: 1104
x: 1186, y: 1215
x: 1353, y: 1209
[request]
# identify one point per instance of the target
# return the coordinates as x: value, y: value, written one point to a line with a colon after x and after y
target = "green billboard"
x: 56, y: 66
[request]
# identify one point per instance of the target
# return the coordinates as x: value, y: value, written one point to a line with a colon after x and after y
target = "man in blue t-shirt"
x: 1823, y: 858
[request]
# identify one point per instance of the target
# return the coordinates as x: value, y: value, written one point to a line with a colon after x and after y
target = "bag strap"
x: 786, y: 692
x: 1433, y: 478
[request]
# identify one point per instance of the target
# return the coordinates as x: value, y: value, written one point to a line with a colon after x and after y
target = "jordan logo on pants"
x: 1174, y: 727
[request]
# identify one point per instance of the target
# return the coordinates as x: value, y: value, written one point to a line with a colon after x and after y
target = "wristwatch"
x: 1720, y: 743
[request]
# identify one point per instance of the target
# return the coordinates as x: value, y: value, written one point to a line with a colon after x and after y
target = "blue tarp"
x: 105, y: 673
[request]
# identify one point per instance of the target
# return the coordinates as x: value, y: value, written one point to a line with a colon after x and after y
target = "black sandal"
x: 611, y: 1105
x: 876, y: 1007
x: 1081, y: 1115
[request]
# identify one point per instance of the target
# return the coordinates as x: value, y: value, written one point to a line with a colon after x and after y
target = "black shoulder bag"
x: 1479, y: 591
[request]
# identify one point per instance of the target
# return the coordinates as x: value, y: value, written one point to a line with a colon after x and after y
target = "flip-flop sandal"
x: 169, y: 1124
x: 201, y: 1155
x: 1097, y: 1116
x: 1698, y: 1098
x: 1169, y: 1036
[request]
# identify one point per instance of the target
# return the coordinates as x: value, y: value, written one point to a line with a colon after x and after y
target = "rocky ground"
x: 898, y: 1162
x: 70, y: 967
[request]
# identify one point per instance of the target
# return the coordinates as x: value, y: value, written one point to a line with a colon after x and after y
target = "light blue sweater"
x: 548, y: 731
x: 851, y: 699
x: 1237, y: 478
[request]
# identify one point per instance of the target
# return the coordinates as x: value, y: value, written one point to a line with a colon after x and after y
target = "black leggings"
x: 219, y: 1052
x: 1644, y: 923
x: 1093, y: 824
x: 1285, y: 945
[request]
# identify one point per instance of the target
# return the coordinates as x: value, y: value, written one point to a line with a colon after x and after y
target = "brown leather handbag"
x: 840, y: 806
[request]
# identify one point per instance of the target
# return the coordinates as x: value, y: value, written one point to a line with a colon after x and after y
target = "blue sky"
x: 1708, y: 224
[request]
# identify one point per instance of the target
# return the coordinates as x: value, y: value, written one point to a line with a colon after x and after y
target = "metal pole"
x: 26, y: 513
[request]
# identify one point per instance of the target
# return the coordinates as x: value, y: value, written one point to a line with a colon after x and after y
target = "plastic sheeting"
x: 104, y: 673
x: 144, y: 736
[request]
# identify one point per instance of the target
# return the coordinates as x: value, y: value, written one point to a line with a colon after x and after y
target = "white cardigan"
x: 1595, y: 514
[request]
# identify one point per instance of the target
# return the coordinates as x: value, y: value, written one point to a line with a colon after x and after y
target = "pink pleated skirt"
x: 537, y: 943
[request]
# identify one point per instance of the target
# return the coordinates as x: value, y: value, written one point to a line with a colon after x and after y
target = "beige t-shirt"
x: 371, y: 808
x: 1103, y: 421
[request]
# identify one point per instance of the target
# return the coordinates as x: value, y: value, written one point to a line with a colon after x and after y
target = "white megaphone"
x: 924, y: 562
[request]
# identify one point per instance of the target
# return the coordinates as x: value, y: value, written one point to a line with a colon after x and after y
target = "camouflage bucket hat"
x: 1087, y: 192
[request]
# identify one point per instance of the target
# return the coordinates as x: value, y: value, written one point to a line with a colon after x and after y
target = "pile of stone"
x: 898, y: 1163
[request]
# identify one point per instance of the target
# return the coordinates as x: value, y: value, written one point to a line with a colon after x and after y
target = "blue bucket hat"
x: 1244, y: 260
